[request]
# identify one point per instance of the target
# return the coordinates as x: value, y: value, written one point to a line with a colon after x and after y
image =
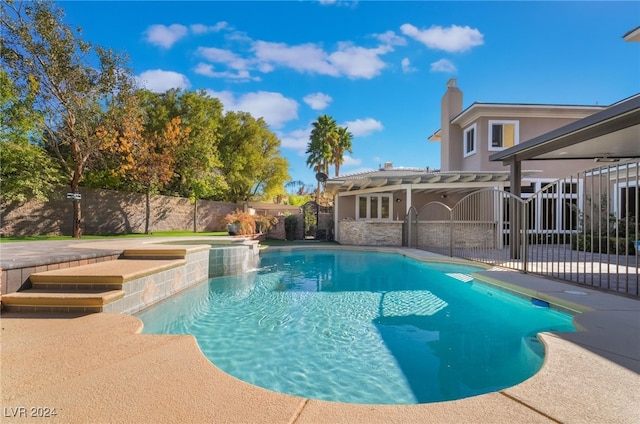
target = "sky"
x: 379, y: 68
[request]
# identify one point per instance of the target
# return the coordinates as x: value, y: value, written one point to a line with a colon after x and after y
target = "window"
x: 470, y: 140
x: 503, y: 134
x: 375, y: 206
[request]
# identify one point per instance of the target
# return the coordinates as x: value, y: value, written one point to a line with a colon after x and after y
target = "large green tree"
x: 26, y: 169
x: 252, y: 165
x: 74, y: 84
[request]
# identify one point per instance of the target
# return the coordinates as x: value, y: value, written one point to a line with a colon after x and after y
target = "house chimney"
x: 388, y: 166
x: 450, y: 135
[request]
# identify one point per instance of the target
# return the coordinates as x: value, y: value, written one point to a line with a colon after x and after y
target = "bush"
x: 290, y: 223
x: 602, y: 244
x: 248, y: 224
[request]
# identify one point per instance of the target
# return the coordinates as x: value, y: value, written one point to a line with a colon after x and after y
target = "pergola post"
x: 515, y: 213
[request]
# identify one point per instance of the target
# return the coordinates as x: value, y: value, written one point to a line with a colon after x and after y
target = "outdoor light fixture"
x: 398, y: 200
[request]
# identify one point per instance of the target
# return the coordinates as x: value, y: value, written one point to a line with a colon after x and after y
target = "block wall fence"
x: 108, y: 212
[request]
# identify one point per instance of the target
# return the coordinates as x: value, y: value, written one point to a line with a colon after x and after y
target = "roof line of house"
x: 618, y: 111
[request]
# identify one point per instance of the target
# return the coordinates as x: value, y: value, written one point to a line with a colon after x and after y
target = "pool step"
x: 85, y: 288
x: 461, y: 277
x: 48, y: 300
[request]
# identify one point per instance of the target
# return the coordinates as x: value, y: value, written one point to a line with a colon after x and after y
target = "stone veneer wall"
x: 144, y: 292
x: 363, y: 233
x: 217, y: 261
x: 466, y: 235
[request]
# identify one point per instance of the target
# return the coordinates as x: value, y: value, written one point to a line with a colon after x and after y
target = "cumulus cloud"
x: 227, y: 57
x: 203, y: 29
x: 165, y: 36
x: 348, y: 60
x: 443, y: 65
x: 317, y: 101
x: 209, y: 71
x: 295, y: 140
x: 451, y: 39
x: 358, y: 62
x: 362, y: 127
x: 160, y: 81
x: 391, y: 38
x: 274, y: 108
x: 406, y: 66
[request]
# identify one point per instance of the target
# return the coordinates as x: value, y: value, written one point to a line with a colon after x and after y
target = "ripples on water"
x: 361, y: 327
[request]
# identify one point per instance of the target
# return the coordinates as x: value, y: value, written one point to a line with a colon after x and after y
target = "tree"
x: 155, y: 154
x: 319, y: 148
x: 26, y: 169
x: 74, y: 85
x: 251, y: 162
x: 342, y: 145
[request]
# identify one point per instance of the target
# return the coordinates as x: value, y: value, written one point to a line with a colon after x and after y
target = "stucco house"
x: 370, y: 208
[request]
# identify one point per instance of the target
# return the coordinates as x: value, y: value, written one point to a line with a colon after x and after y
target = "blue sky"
x: 378, y: 67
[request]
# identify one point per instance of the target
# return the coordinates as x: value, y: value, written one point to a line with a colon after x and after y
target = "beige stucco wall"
x: 528, y: 128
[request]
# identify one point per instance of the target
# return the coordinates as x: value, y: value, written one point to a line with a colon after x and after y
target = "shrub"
x: 264, y: 223
x: 249, y: 224
x: 290, y: 223
x: 602, y: 244
x: 245, y: 221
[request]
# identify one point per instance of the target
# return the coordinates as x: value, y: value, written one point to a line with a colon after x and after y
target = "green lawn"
x: 116, y: 236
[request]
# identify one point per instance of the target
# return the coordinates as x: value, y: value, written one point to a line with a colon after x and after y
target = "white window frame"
x: 368, y: 215
x: 559, y: 196
x: 617, y: 199
x: 473, y: 128
x: 516, y: 135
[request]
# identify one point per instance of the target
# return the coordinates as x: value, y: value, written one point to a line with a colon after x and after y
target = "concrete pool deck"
x: 98, y: 368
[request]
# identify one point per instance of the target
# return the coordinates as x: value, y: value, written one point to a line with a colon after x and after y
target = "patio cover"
x: 417, y: 179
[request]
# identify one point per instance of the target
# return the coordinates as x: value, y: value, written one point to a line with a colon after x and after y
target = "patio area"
x: 98, y: 368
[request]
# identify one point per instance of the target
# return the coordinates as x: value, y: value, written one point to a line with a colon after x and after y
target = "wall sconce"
x: 443, y: 196
x: 398, y: 200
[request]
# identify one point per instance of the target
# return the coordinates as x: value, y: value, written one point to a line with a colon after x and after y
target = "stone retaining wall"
x: 112, y: 212
x: 363, y: 233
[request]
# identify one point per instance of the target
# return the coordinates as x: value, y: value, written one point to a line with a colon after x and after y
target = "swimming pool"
x: 362, y: 327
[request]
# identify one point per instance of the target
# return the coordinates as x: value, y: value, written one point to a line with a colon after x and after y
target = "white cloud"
x: 203, y: 29
x: 348, y: 60
x: 226, y: 57
x: 452, y: 39
x: 406, y: 66
x: 274, y: 108
x: 359, y: 62
x: 164, y: 36
x: 209, y: 71
x: 443, y: 65
x: 390, y: 38
x: 362, y: 127
x: 296, y: 140
x: 349, y: 161
x: 304, y: 57
x: 160, y: 81
x: 317, y: 101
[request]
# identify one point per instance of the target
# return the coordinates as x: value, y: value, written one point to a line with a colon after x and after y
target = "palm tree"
x: 342, y: 145
x: 321, y: 142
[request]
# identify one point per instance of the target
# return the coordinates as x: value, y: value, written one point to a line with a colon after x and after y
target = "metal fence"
x: 582, y: 228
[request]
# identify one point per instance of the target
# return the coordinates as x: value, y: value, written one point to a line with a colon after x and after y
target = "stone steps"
x: 51, y: 300
x: 87, y: 288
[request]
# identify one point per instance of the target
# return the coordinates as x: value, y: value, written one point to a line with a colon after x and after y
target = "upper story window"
x: 375, y: 206
x: 503, y: 134
x: 470, y: 140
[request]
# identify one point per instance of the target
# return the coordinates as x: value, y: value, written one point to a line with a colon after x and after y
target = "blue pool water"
x: 362, y: 327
